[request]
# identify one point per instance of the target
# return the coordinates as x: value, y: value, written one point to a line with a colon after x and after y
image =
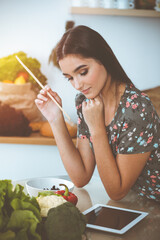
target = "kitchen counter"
x: 35, y: 138
x: 94, y: 192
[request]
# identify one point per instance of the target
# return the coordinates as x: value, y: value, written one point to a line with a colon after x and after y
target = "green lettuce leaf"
x: 18, y: 204
x: 26, y: 222
x: 9, y: 235
x: 19, y: 214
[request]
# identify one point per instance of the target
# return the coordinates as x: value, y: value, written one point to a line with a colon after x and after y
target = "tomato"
x: 23, y: 74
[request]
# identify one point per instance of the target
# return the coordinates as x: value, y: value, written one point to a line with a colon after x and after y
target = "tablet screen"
x: 112, y: 219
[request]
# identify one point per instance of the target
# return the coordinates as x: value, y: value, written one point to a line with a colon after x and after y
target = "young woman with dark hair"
x: 118, y: 127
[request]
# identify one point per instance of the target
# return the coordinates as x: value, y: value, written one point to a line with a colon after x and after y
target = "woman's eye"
x: 84, y: 72
x: 71, y: 78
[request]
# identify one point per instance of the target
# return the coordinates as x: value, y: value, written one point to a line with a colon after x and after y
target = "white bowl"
x: 36, y: 185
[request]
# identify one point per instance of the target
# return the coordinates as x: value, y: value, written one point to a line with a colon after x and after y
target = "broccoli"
x: 65, y: 222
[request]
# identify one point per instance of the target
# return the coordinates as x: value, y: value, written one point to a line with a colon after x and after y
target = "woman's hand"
x: 93, y: 112
x: 47, y: 107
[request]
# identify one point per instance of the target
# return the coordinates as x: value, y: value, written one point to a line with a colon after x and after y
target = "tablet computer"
x: 112, y: 219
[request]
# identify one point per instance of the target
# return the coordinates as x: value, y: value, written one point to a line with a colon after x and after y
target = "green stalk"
x: 66, y: 193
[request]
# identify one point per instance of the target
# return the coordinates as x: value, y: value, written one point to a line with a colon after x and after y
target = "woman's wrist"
x: 57, y: 120
x: 97, y: 129
x: 98, y: 132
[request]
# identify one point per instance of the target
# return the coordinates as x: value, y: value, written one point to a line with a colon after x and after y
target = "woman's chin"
x: 90, y: 96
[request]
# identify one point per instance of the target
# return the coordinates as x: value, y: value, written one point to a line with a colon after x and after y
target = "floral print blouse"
x: 134, y: 129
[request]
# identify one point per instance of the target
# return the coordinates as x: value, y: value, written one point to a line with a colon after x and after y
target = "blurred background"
x: 35, y: 27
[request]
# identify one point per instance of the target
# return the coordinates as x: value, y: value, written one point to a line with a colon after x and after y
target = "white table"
x: 94, y: 192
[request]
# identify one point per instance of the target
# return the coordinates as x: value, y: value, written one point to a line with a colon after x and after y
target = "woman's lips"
x: 86, y: 91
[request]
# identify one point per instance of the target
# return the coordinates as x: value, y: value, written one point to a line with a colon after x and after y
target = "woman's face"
x: 85, y: 74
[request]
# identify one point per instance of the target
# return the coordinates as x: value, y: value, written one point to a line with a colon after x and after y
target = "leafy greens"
x: 10, y: 67
x: 19, y: 214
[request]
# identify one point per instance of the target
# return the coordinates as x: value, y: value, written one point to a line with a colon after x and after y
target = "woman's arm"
x: 79, y: 162
x: 117, y: 174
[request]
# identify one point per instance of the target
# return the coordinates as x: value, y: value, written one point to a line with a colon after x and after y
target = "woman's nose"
x: 77, y: 84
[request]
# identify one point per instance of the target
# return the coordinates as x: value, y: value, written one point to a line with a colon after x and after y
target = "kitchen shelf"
x: 34, y: 138
x: 115, y: 12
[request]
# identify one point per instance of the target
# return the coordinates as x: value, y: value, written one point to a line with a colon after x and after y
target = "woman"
x: 118, y: 127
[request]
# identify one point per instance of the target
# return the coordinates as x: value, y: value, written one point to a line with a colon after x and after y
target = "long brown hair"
x: 88, y: 43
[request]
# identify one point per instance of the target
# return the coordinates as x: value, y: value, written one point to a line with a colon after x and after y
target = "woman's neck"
x: 109, y: 91
x: 111, y: 95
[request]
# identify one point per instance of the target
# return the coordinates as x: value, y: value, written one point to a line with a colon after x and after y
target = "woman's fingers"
x: 91, y: 102
x: 42, y: 97
x: 38, y: 102
x: 49, y: 90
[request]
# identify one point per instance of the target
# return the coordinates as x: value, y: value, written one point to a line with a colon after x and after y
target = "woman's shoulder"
x: 137, y: 102
x: 136, y: 109
x: 135, y: 95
